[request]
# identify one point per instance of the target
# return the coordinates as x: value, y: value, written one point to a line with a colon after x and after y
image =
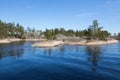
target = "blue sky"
x: 70, y: 14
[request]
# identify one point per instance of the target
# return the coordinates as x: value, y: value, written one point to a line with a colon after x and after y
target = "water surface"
x: 20, y: 61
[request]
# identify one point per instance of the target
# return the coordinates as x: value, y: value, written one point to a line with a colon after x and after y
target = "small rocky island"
x: 94, y: 35
x: 46, y: 44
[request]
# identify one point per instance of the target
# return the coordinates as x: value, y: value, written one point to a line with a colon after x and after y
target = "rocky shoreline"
x: 9, y: 40
x: 54, y: 43
x: 47, y: 44
x: 5, y: 41
x: 17, y: 40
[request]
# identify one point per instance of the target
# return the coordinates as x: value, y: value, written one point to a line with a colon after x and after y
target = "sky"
x: 68, y: 14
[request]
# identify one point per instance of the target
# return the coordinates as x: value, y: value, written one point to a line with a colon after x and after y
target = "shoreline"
x: 48, y: 44
x: 3, y: 41
x: 32, y: 40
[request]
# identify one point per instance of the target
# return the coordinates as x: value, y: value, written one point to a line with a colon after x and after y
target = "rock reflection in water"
x: 48, y: 52
x: 52, y: 51
x: 62, y: 51
x: 93, y: 53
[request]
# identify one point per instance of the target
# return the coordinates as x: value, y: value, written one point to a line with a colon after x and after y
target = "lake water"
x: 20, y: 61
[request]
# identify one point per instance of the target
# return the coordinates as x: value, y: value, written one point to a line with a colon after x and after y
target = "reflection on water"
x: 50, y: 51
x: 15, y: 50
x: 62, y: 51
x: 93, y: 53
x: 47, y: 51
x: 59, y: 63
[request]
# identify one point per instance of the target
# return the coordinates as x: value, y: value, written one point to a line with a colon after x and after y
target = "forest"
x: 94, y: 31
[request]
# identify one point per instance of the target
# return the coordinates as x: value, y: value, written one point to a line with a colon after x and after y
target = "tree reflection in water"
x: 48, y: 51
x: 93, y: 53
x: 13, y: 50
x: 62, y: 51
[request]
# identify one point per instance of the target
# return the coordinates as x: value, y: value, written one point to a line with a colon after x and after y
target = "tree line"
x: 94, y: 31
x: 10, y: 30
x: 117, y: 36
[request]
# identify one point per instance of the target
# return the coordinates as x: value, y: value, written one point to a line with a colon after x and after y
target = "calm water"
x: 20, y: 61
